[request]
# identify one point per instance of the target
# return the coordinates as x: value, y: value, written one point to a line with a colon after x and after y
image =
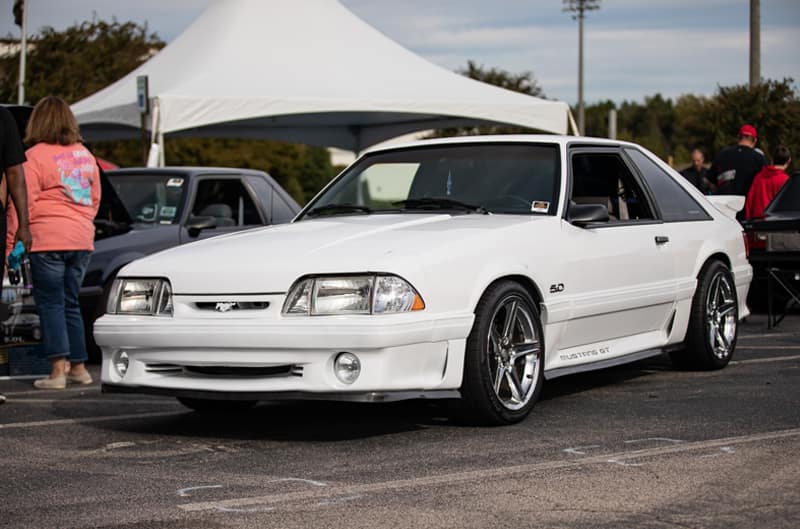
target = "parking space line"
x: 86, y: 420
x: 770, y: 335
x: 766, y: 360
x: 73, y: 389
x: 81, y: 400
x: 480, y: 475
x: 769, y: 347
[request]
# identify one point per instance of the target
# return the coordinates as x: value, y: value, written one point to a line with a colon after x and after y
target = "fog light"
x: 121, y: 363
x: 347, y: 367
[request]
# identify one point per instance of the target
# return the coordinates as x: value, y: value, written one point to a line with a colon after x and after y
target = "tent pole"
x: 161, y: 155
x: 572, y: 124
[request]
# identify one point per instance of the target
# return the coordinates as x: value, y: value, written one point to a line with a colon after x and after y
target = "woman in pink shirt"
x: 63, y: 186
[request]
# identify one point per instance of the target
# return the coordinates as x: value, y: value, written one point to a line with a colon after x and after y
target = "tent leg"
x: 161, y: 154
x: 572, y: 124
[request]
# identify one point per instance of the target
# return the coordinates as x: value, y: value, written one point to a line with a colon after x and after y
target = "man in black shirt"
x: 12, y: 155
x: 735, y: 166
x: 697, y: 174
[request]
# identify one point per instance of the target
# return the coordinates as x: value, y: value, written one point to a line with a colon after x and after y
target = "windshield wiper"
x: 439, y: 203
x: 338, y: 208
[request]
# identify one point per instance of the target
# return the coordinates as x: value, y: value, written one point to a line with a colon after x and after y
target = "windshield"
x: 511, y: 178
x: 150, y: 198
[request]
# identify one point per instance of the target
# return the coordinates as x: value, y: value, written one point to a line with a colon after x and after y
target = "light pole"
x: 579, y: 7
x: 21, y: 19
x: 755, y: 42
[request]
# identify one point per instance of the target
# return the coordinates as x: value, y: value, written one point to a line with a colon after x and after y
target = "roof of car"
x: 185, y: 171
x: 502, y: 138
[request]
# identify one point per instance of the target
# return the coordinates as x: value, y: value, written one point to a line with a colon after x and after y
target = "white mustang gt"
x: 470, y: 268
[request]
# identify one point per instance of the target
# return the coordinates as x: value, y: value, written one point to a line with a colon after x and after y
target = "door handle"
x: 662, y: 239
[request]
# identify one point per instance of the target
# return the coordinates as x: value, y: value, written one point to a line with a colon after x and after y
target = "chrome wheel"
x: 514, y: 353
x: 720, y: 309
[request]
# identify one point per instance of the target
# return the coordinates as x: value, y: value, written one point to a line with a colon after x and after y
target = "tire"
x: 713, y: 321
x: 217, y: 406
x: 504, y: 357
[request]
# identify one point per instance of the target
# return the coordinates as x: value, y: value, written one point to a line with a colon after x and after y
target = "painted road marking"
x: 579, y: 450
x: 623, y: 463
x: 765, y: 360
x: 320, y: 494
x: 725, y: 450
x: 770, y: 347
x: 69, y: 389
x: 654, y: 440
x: 86, y: 420
x: 81, y: 400
x: 770, y: 335
x: 186, y: 492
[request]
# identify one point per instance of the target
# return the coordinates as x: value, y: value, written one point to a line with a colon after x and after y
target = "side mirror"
x: 583, y: 214
x: 198, y: 224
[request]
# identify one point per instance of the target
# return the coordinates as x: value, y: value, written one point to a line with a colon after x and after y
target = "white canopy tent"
x: 309, y: 72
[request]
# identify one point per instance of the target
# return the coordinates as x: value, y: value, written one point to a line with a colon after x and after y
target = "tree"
x: 524, y: 83
x: 773, y: 107
x: 691, y: 130
x: 78, y: 61
x: 597, y: 118
x: 673, y: 129
x: 86, y: 57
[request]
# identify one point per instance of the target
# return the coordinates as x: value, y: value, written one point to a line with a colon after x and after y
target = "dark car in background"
x: 145, y: 210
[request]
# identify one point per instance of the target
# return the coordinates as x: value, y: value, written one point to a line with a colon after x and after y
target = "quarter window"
x: 675, y: 203
x: 604, y: 178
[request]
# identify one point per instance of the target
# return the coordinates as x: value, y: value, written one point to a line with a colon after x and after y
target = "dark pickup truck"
x: 146, y: 210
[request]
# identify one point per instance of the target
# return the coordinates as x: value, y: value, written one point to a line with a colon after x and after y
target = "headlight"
x: 152, y: 297
x: 366, y: 294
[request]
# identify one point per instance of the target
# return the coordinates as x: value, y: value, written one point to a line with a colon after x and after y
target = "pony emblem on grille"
x: 225, y: 306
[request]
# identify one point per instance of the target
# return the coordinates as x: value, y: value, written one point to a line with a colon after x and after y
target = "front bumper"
x: 345, y: 396
x: 226, y: 356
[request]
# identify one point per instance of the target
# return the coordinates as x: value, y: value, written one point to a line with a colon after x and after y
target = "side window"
x: 675, y: 203
x: 604, y: 178
x: 227, y: 200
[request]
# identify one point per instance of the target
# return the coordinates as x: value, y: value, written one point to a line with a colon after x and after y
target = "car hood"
x: 271, y: 259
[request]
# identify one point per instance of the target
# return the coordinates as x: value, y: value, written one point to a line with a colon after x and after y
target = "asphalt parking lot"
x: 641, y: 446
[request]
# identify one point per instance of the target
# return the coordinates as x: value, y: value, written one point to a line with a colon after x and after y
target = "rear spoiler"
x: 730, y: 205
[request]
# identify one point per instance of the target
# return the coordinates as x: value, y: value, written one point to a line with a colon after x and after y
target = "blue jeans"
x: 57, y: 278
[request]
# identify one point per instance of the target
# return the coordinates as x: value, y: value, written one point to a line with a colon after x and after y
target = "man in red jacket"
x: 767, y: 183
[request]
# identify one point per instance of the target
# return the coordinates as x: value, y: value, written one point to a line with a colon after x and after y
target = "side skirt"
x: 602, y: 364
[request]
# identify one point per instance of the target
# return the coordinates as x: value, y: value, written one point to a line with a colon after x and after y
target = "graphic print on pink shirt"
x: 76, y: 169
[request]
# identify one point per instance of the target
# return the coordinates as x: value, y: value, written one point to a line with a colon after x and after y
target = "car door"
x: 220, y: 204
x: 619, y: 274
x: 686, y: 223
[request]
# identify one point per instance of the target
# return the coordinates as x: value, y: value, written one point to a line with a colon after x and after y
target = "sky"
x: 633, y: 48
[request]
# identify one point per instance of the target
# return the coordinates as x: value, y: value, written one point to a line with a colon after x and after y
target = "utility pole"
x: 579, y: 7
x: 755, y: 43
x: 21, y: 19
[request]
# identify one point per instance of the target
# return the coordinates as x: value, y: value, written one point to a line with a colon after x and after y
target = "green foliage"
x: 524, y: 83
x: 673, y: 129
x: 87, y: 57
x: 772, y: 107
x: 78, y: 61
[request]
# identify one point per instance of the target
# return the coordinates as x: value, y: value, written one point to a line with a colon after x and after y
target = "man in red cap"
x: 735, y: 166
